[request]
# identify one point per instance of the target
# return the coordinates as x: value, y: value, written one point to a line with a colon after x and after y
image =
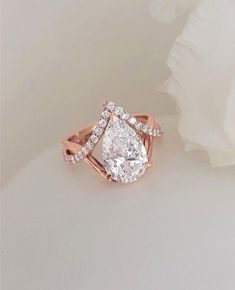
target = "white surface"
x: 66, y: 228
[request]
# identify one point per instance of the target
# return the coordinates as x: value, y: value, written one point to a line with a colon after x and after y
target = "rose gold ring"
x: 127, y: 144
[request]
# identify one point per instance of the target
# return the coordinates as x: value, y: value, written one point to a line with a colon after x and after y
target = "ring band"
x: 127, y: 144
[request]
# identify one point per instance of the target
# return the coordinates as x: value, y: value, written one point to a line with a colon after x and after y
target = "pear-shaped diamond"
x: 125, y: 157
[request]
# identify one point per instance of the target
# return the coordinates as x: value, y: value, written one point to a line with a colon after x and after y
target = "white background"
x: 66, y: 228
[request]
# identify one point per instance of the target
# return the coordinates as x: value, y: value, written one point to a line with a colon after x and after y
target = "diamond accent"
x: 145, y: 128
x: 132, y: 121
x: 105, y: 114
x: 119, y: 111
x: 89, y: 145
x: 124, y: 154
x: 98, y: 131
x: 125, y: 116
x: 102, y: 123
x: 94, y: 139
x: 139, y: 126
x: 110, y: 105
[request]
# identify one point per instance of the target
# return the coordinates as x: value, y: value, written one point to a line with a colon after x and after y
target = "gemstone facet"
x: 125, y: 157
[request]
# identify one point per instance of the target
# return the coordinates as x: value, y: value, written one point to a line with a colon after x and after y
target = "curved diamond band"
x: 127, y: 144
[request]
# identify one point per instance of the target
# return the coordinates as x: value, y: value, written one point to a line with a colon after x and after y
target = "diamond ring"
x: 127, y: 144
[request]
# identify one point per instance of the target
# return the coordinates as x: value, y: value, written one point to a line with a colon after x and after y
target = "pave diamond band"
x: 127, y: 144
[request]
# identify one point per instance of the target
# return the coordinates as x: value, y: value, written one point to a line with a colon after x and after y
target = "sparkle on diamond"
x: 124, y: 154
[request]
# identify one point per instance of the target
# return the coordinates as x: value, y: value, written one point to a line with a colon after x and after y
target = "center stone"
x: 125, y: 157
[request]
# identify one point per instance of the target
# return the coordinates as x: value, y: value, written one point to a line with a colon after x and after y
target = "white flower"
x: 202, y: 63
x: 168, y: 10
